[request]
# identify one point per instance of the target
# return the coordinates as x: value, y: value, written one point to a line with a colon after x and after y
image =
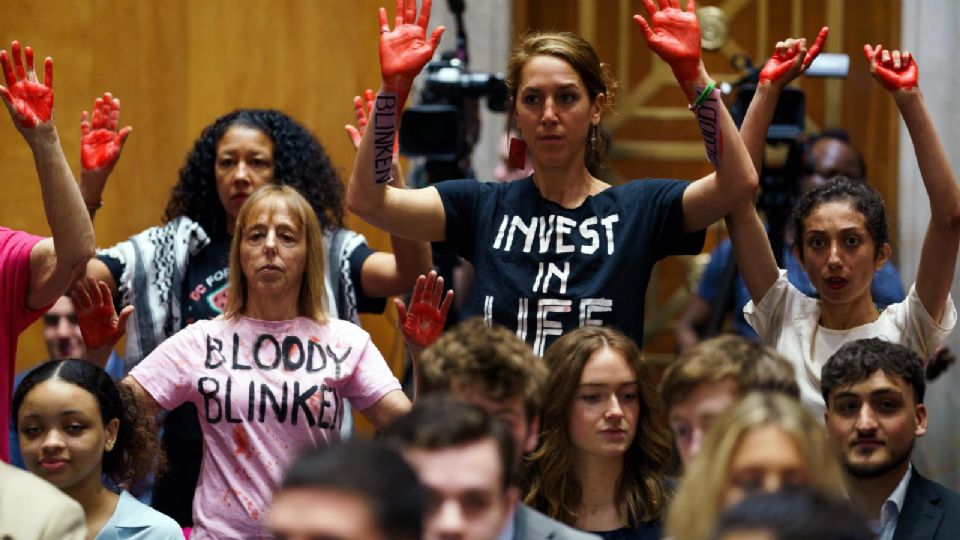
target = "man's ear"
x: 921, y: 412
x: 533, y: 433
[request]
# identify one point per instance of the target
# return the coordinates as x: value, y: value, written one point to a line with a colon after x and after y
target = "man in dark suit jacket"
x: 494, y: 369
x: 874, y: 395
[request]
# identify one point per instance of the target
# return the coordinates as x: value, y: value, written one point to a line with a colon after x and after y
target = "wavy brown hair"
x: 583, y: 58
x: 549, y: 484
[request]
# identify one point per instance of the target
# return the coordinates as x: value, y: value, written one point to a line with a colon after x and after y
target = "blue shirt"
x: 133, y: 520
x: 886, y: 288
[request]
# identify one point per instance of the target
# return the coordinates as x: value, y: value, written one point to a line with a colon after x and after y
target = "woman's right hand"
x: 405, y: 49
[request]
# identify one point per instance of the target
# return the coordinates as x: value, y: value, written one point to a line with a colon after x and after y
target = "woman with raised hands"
x: 268, y: 378
x: 842, y: 239
x: 176, y: 274
x: 562, y: 248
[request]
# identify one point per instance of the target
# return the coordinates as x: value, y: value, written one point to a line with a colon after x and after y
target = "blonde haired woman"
x: 269, y: 377
x: 766, y: 442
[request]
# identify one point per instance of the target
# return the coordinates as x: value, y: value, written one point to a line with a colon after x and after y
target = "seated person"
x: 711, y: 377
x: 358, y: 489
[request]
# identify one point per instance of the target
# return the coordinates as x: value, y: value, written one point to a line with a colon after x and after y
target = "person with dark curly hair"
x: 842, y: 240
x: 77, y: 425
x: 176, y: 274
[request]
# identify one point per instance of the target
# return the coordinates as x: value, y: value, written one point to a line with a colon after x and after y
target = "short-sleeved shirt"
x: 886, y: 288
x: 15, y: 316
x: 788, y: 320
x: 542, y: 269
x: 133, y: 520
x: 264, y: 391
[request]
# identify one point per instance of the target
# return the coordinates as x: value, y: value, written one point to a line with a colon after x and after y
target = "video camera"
x: 445, y: 125
x: 439, y: 127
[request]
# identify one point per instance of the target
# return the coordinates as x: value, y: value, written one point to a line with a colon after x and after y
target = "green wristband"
x: 702, y: 98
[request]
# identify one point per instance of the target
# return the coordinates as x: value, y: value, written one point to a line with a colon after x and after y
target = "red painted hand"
x: 100, y: 142
x: 814, y: 51
x: 674, y: 35
x: 99, y: 323
x: 422, y: 323
x: 30, y: 102
x: 894, y: 70
x: 405, y: 49
x: 784, y: 65
x: 363, y: 108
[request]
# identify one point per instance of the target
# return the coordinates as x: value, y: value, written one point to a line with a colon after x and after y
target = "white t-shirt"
x: 787, y: 320
x: 264, y: 392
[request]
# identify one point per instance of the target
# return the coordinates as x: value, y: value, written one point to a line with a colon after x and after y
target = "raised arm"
x: 898, y: 73
x: 415, y: 214
x: 674, y: 35
x: 54, y: 262
x: 100, y: 146
x: 386, y: 274
x: 755, y: 258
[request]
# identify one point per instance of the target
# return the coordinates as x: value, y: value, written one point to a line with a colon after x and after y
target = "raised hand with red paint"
x: 29, y: 102
x: 100, y: 141
x: 896, y: 71
x: 405, y: 49
x: 363, y: 108
x: 784, y: 67
x: 98, y: 321
x: 674, y: 35
x: 422, y: 324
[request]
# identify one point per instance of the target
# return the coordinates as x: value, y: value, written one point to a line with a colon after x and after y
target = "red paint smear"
x: 242, y: 441
x: 675, y: 36
x: 99, y: 325
x: 423, y: 324
x: 33, y: 102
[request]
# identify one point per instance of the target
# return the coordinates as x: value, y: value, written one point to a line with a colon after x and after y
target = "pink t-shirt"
x: 264, y: 392
x: 15, y: 316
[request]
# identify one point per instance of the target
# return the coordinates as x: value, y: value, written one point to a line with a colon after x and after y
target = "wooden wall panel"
x: 655, y: 136
x: 176, y: 65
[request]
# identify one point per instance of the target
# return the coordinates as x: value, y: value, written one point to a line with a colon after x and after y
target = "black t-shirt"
x: 204, y: 294
x: 542, y: 269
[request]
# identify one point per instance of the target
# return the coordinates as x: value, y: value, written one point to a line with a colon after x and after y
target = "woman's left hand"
x: 422, y: 324
x: 785, y: 65
x: 896, y: 71
x: 674, y: 35
x: 98, y: 321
